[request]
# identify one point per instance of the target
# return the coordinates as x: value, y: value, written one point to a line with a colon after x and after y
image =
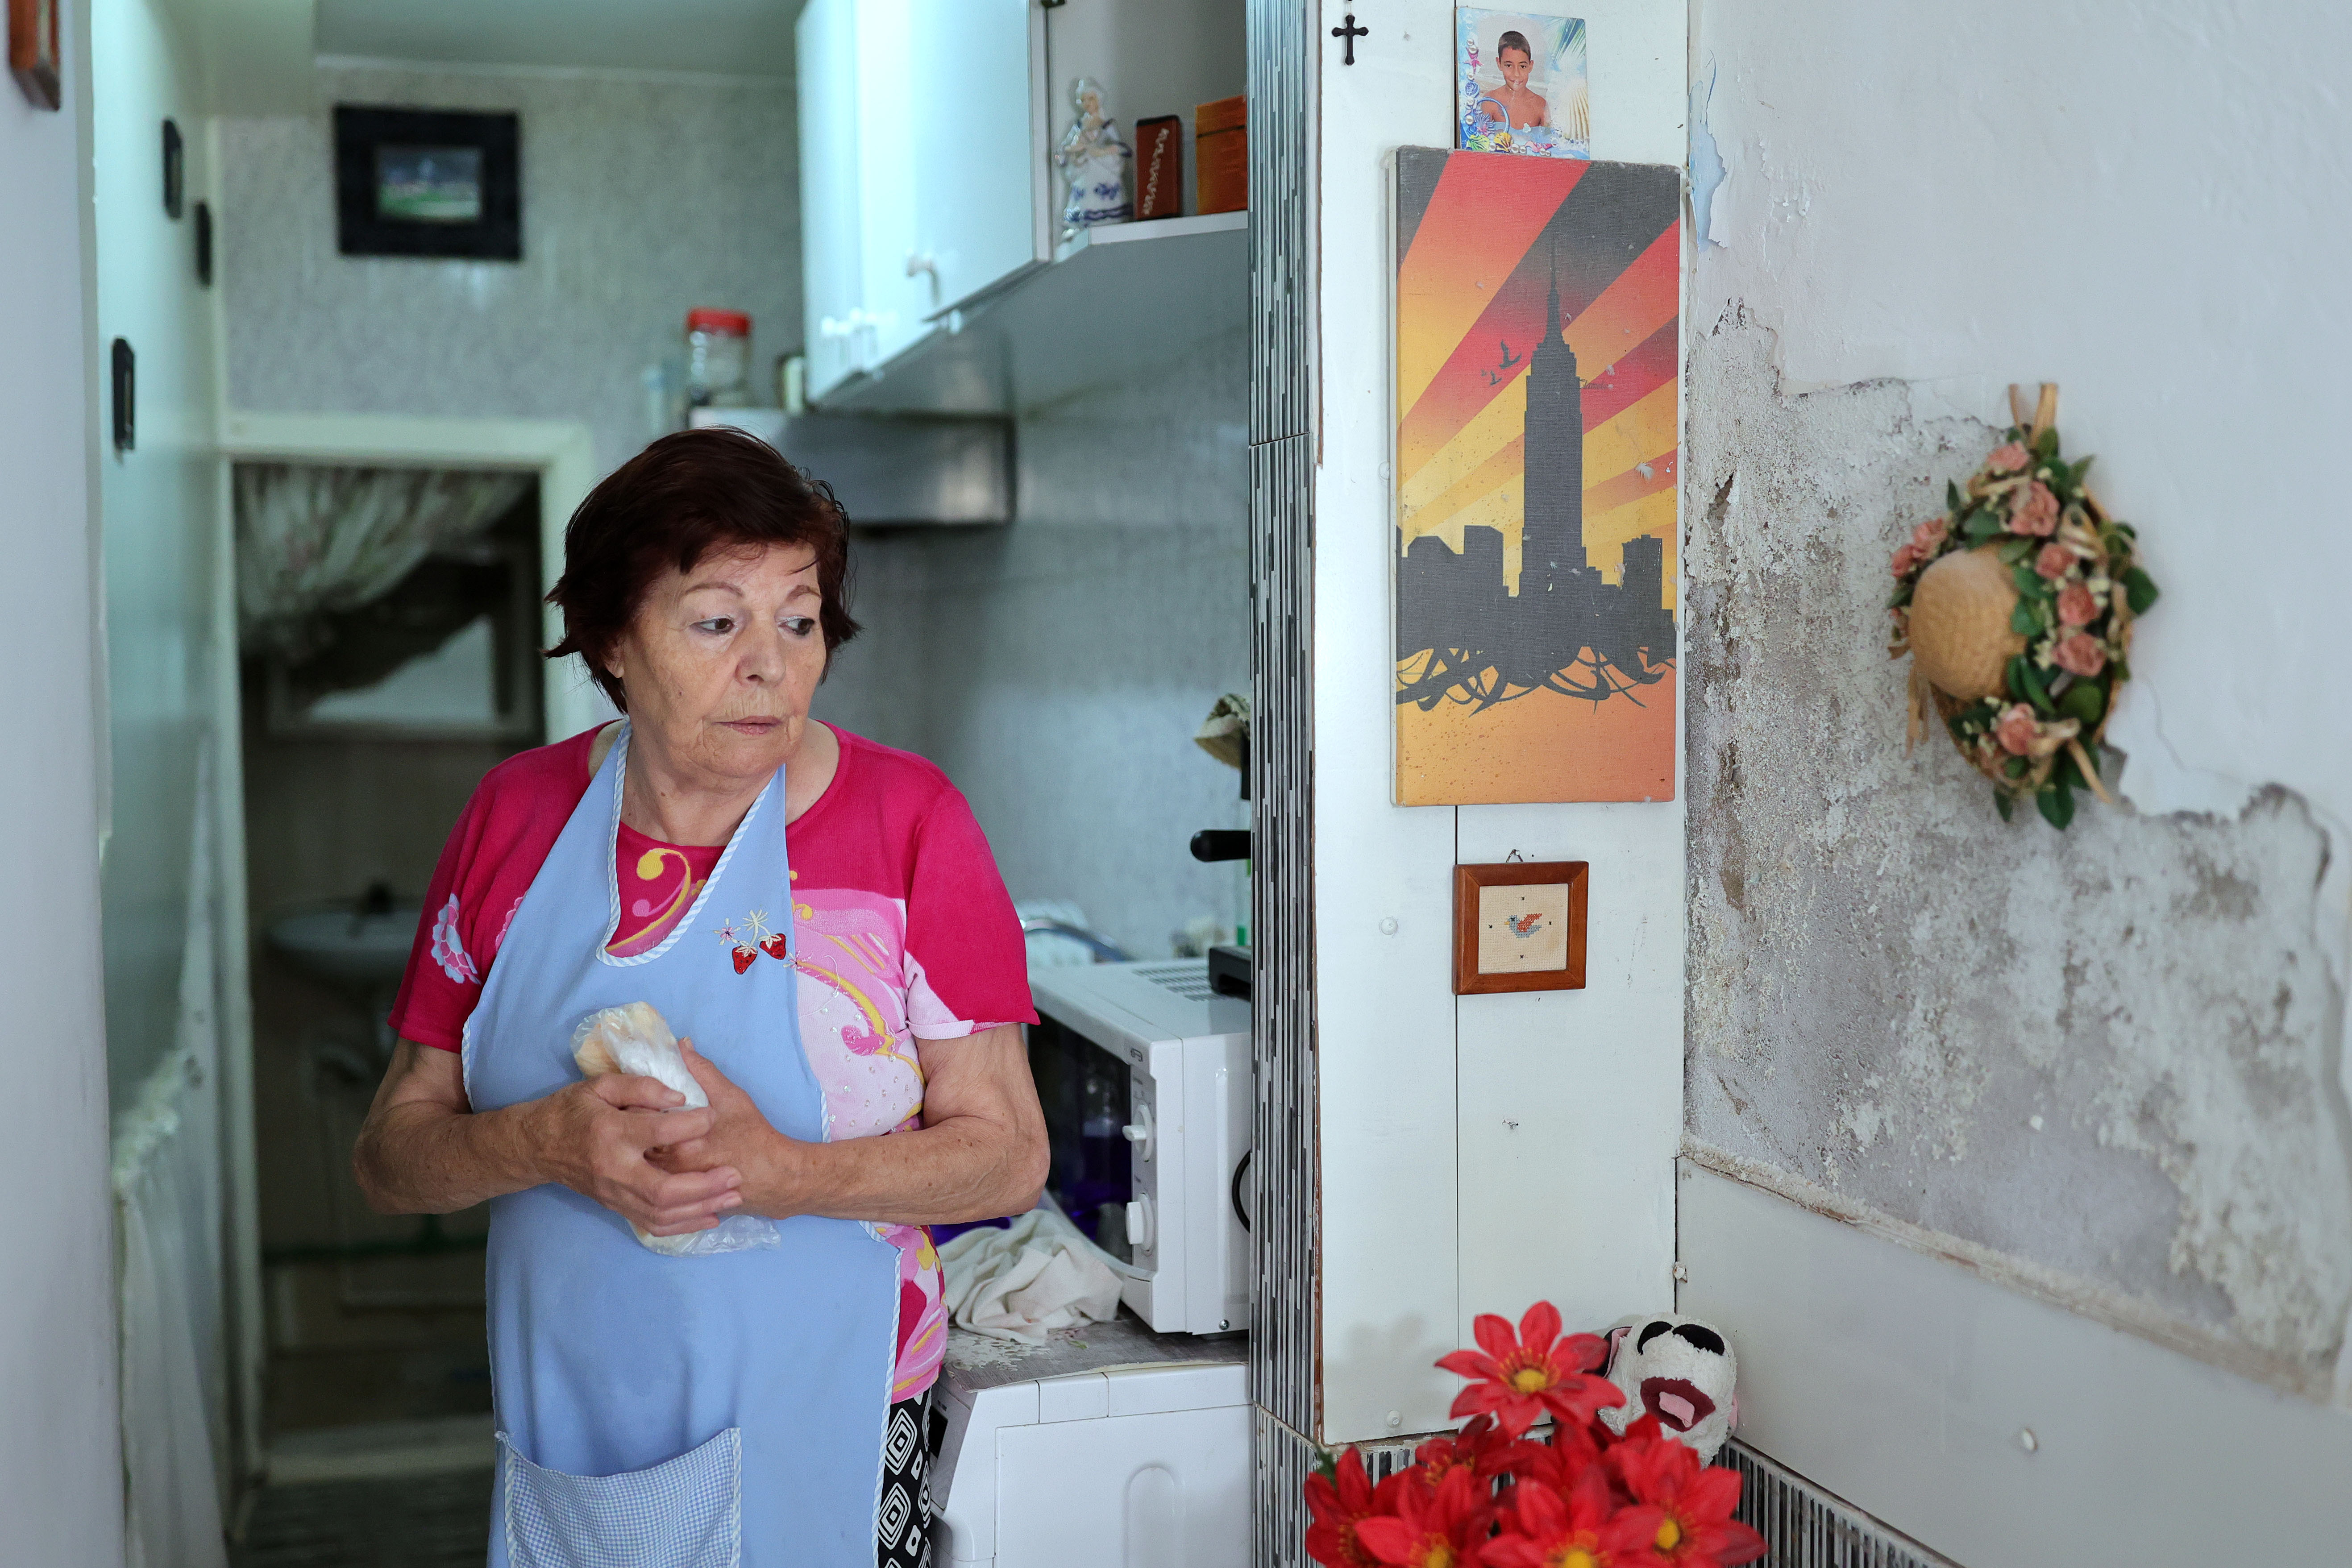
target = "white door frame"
x: 563, y: 455
x: 562, y: 452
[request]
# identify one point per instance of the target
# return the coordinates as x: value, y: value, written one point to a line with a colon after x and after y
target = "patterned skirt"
x: 902, y: 1529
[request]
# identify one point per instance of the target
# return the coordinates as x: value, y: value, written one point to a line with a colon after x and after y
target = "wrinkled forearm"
x: 961, y: 1169
x: 419, y: 1157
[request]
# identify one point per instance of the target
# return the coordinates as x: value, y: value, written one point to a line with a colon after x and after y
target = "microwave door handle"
x: 1241, y: 1170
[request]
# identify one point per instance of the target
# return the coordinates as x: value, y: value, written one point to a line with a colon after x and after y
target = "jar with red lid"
x: 717, y: 359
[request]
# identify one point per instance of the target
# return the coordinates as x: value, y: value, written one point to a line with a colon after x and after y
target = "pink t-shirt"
x: 904, y: 930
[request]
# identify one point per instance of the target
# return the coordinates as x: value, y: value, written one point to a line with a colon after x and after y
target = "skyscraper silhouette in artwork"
x: 1463, y: 636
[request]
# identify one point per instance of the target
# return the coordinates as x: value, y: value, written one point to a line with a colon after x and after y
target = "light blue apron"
x: 657, y: 1412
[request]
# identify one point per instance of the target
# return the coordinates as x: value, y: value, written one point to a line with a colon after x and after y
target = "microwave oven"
x: 1144, y: 1074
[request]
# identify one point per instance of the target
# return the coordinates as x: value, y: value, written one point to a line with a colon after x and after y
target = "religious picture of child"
x: 1520, y: 80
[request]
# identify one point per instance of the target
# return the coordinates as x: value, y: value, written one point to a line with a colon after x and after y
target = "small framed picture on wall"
x: 1519, y: 927
x: 1519, y: 83
x: 33, y: 50
x: 428, y: 182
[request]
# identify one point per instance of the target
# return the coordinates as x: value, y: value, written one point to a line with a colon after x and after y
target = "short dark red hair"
x: 687, y: 496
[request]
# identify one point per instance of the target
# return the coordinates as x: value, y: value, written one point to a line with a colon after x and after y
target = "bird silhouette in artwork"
x: 1524, y: 925
x: 1496, y: 376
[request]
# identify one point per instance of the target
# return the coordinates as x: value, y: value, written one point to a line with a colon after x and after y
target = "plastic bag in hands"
x: 635, y: 1040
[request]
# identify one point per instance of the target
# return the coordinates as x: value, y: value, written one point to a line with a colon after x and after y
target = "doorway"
x: 390, y: 574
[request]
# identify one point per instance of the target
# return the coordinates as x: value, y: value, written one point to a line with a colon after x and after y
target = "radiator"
x: 1809, y: 1528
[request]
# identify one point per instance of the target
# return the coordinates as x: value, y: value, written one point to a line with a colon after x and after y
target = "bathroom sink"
x: 346, y: 946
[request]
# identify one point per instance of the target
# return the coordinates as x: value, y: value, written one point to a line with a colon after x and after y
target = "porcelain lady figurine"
x: 1097, y: 163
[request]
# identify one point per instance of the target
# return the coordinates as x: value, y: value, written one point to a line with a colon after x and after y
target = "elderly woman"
x: 820, y: 917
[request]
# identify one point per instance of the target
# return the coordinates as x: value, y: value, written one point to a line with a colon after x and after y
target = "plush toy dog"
x: 1679, y: 1370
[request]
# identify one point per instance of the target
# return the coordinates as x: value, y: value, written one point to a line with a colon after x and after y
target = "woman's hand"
x: 980, y: 1150
x: 735, y: 1138
x: 603, y: 1138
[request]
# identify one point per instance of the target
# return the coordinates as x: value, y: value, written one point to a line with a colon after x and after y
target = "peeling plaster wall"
x: 2112, y: 1053
x: 2108, y: 1063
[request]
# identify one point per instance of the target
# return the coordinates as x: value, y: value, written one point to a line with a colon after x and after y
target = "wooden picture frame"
x: 428, y: 182
x: 1519, y: 927
x: 33, y: 48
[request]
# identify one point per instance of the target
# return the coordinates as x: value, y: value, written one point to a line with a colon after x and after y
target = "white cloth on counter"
x: 1019, y: 1283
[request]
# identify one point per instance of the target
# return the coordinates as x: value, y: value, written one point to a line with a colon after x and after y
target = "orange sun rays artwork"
x: 1536, y: 351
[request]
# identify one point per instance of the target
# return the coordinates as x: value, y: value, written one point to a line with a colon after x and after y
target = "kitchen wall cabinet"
x: 927, y: 130
x: 920, y: 184
x: 984, y: 209
x: 832, y: 253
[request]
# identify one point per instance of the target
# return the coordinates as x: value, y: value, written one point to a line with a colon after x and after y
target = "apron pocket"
x: 684, y: 1513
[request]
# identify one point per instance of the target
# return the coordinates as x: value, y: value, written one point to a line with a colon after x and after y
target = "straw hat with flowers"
x: 2016, y: 606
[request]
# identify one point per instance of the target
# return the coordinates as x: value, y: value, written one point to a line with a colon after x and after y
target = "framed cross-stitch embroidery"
x: 1519, y: 927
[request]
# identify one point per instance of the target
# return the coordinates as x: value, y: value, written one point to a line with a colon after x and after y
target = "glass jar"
x: 717, y: 359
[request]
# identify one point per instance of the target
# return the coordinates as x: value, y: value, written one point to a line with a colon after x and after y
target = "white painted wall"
x: 1434, y: 1210
x: 158, y: 504
x: 1934, y: 1376
x: 60, y: 1465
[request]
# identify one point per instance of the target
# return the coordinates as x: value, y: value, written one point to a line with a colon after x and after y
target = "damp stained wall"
x: 2108, y: 1065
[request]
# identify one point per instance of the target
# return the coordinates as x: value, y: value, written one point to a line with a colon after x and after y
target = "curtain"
x: 170, y: 1209
x: 314, y: 540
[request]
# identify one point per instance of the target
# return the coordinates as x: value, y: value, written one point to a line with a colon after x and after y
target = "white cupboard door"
x: 832, y: 296
x: 983, y: 209
x: 895, y: 128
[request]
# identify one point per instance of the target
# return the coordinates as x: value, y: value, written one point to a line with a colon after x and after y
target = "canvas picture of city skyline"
x: 1537, y: 343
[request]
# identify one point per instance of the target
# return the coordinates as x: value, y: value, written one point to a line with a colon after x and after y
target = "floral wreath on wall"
x: 2016, y: 606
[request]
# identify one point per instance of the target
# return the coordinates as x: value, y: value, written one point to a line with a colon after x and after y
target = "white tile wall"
x: 641, y: 198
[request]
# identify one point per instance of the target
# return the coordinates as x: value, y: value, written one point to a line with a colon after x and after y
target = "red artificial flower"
x: 2008, y: 457
x: 1585, y: 1530
x: 1443, y: 1526
x: 1681, y: 1507
x: 1518, y: 1378
x: 1561, y: 1463
x: 2054, y: 560
x: 1339, y: 1504
x: 1479, y: 1447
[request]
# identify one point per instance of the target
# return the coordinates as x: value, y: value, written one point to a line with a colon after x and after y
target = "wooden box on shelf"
x: 1221, y: 153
